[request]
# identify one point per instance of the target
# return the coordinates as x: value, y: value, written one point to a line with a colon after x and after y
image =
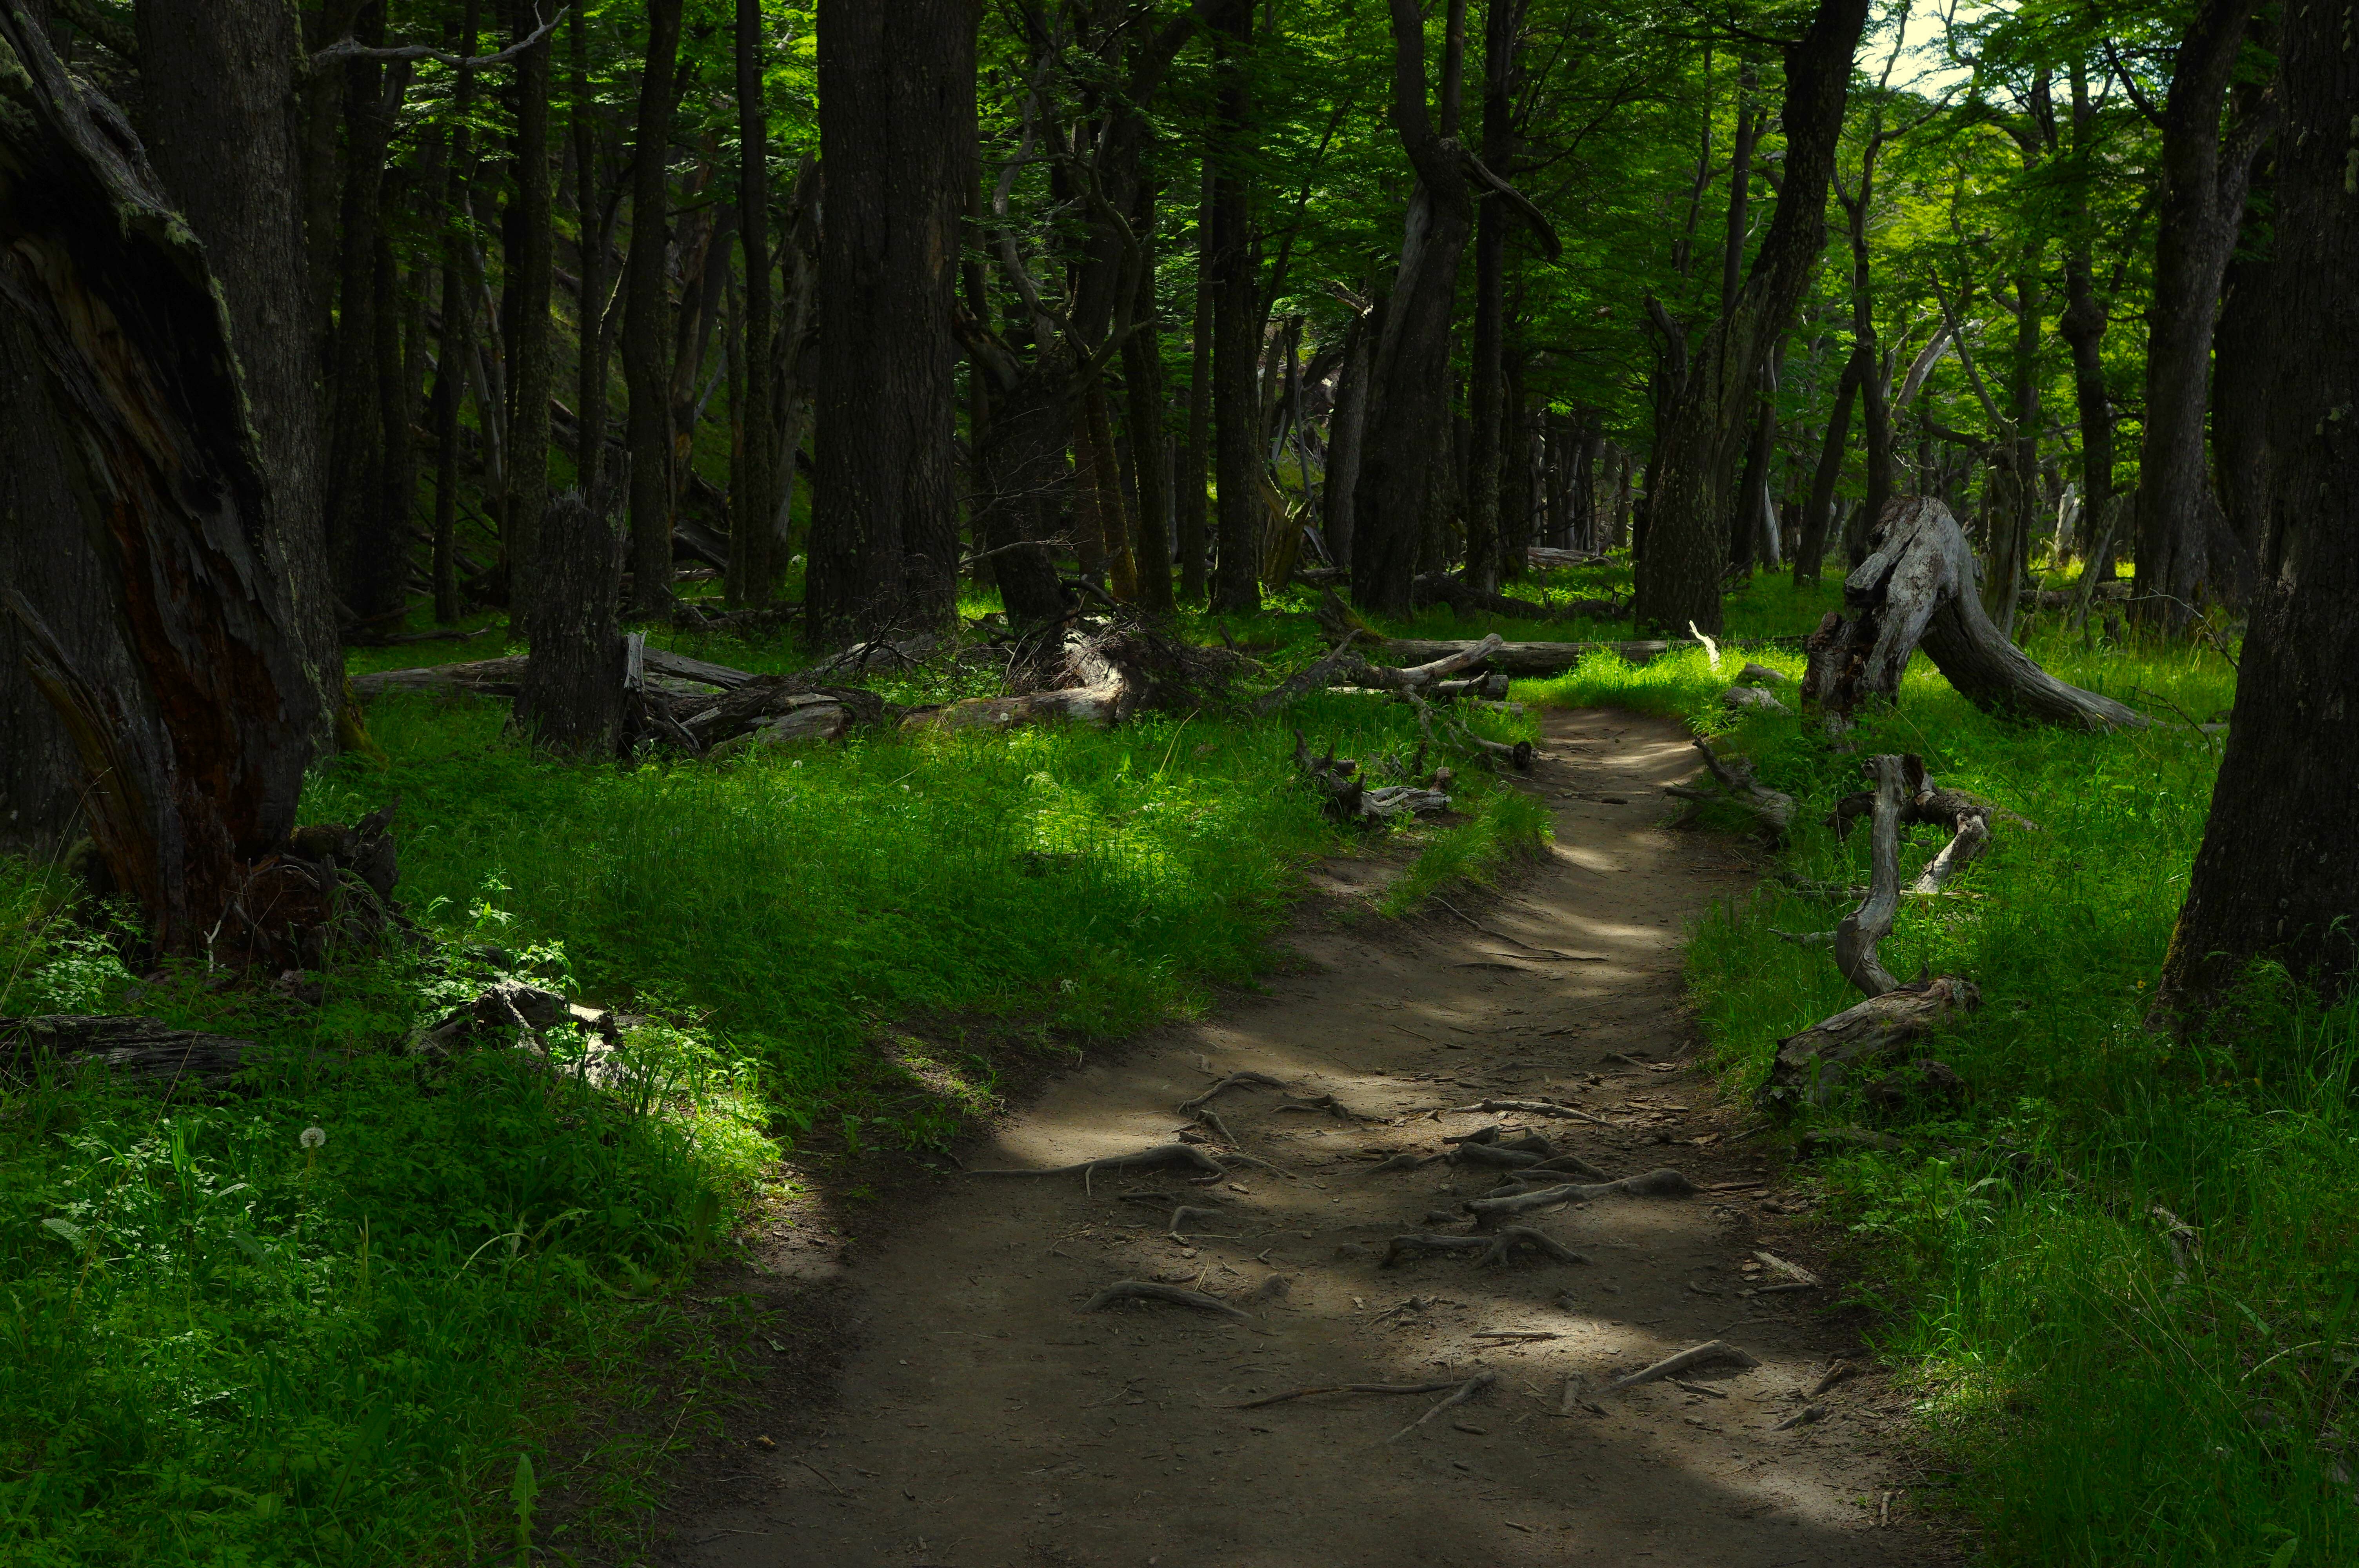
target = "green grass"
x: 222, y: 1348
x: 2099, y: 1410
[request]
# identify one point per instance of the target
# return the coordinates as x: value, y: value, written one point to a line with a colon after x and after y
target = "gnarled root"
x: 1711, y: 1352
x: 1163, y: 1156
x: 1147, y: 1291
x: 1662, y: 1184
x: 1493, y: 1249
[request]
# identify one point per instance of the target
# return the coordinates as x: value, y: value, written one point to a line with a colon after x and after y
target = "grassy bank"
x: 2111, y: 1389
x: 225, y: 1345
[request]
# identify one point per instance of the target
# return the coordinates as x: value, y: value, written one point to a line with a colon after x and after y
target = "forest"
x: 649, y: 648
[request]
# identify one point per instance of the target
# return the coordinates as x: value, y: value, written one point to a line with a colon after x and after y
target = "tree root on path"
x: 1403, y: 1162
x: 1495, y: 1248
x: 1466, y: 1390
x: 1529, y: 1108
x: 1662, y: 1184
x: 1146, y: 1291
x: 1711, y: 1352
x: 1190, y: 1107
x: 1160, y: 1157
x: 1351, y: 1388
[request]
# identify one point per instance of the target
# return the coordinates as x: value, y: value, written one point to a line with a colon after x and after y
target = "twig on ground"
x: 1190, y: 1107
x: 1530, y: 1107
x: 1349, y: 1388
x: 1802, y: 1417
x: 1155, y: 1159
x: 1662, y: 1184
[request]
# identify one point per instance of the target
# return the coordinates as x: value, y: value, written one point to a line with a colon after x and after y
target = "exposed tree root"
x: 1662, y: 1184
x: 1803, y: 1417
x: 1466, y: 1390
x: 1163, y: 1156
x: 1495, y: 1249
x: 1327, y: 1103
x: 1147, y: 1291
x: 1530, y: 1107
x: 1712, y: 1352
x: 1190, y: 1107
x: 1774, y: 810
x: 1403, y: 1162
x: 1349, y: 1388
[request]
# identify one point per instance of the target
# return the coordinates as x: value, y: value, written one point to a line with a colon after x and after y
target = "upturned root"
x: 1190, y: 1107
x: 1662, y: 1184
x: 1146, y: 1291
x: 1495, y: 1249
x: 1160, y: 1157
x: 1711, y: 1352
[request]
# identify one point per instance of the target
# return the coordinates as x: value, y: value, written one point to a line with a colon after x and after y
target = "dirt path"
x: 984, y: 1420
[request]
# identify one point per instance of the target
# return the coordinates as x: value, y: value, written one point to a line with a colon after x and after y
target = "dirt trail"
x: 986, y: 1421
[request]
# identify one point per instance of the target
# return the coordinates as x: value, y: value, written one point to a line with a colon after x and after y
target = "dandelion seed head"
x: 313, y: 1137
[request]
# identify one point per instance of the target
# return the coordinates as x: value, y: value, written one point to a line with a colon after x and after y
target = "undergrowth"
x: 2105, y: 1395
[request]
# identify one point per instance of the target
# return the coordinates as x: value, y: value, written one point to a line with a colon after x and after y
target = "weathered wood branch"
x: 145, y: 1051
x: 1918, y: 588
x: 1863, y: 929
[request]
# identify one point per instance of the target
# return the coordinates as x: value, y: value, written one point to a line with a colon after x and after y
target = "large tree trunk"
x: 530, y: 372
x: 2201, y: 202
x: 1502, y: 28
x: 2244, y: 374
x: 1237, y: 322
x: 1406, y: 444
x: 218, y: 104
x: 2083, y: 327
x: 1142, y: 370
x: 1917, y: 587
x: 367, y: 563
x: 457, y: 338
x: 1704, y: 422
x: 1195, y: 457
x: 753, y: 565
x: 597, y: 218
x: 574, y: 691
x: 896, y: 124
x: 2014, y: 517
x: 2280, y: 854
x: 1023, y: 460
x: 645, y: 370
x: 1818, y: 514
x: 131, y: 509
x: 1346, y: 423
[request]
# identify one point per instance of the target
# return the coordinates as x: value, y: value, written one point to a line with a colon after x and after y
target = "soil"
x: 977, y: 1416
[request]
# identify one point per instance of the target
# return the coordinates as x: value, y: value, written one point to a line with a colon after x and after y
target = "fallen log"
x: 502, y: 677
x: 1095, y: 704
x: 146, y: 1052
x: 1542, y: 555
x: 1918, y: 586
x: 1772, y: 808
x: 1347, y: 796
x: 1556, y: 658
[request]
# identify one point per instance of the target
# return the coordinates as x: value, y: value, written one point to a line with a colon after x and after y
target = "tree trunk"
x: 1515, y: 468
x: 896, y: 128
x: 645, y: 310
x: 572, y: 695
x: 2281, y: 853
x: 1818, y: 515
x: 597, y: 219
x: 1502, y: 29
x: 2083, y: 327
x: 530, y: 367
x: 363, y: 558
x: 1196, y: 455
x: 131, y: 509
x: 2243, y: 370
x: 2012, y: 525
x: 1236, y: 318
x: 1023, y: 459
x: 1406, y: 444
x: 1345, y: 423
x: 1142, y: 373
x: 2200, y: 204
x: 1679, y: 576
x: 753, y: 564
x: 457, y: 345
x: 218, y: 105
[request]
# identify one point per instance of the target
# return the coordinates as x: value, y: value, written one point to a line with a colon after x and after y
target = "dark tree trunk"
x: 2200, y: 204
x: 218, y: 86
x: 896, y: 128
x: 1679, y: 576
x: 1023, y: 460
x: 2012, y: 527
x: 597, y: 215
x: 133, y: 591
x: 530, y: 368
x: 2243, y: 370
x: 1406, y: 444
x: 1236, y: 321
x: 1745, y: 515
x: 366, y: 560
x: 1196, y: 456
x: 753, y: 566
x: 574, y: 691
x: 2281, y: 852
x: 1515, y: 469
x: 2083, y: 327
x: 457, y: 340
x: 1345, y: 424
x: 1502, y: 28
x: 1818, y: 515
x: 1740, y: 186
x: 1142, y: 373
x: 646, y: 371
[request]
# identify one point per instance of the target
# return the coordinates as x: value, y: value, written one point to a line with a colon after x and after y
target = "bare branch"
x: 346, y: 48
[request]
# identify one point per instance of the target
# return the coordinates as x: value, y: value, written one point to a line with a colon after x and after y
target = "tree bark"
x: 573, y: 694
x: 367, y: 580
x: 2281, y: 852
x: 1502, y: 30
x: 1236, y: 320
x: 896, y: 128
x: 2083, y: 327
x: 1346, y: 424
x: 530, y: 368
x: 597, y: 223
x: 131, y: 513
x: 220, y: 116
x: 1818, y: 515
x: 2244, y: 371
x: 1142, y: 373
x: 457, y: 340
x: 753, y: 565
x: 1406, y: 439
x: 2012, y: 526
x: 1196, y: 455
x: 2201, y: 201
x: 1679, y: 575
x: 644, y: 371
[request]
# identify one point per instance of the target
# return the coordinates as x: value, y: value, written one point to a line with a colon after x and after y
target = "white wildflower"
x: 313, y: 1137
